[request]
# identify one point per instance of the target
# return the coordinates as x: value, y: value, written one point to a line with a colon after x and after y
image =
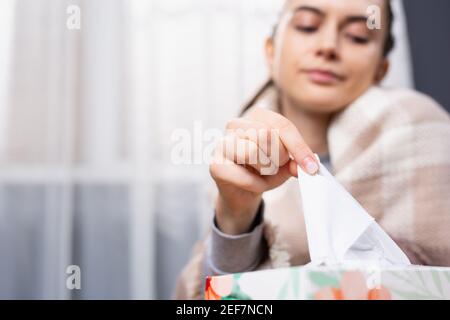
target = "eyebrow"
x: 348, y: 20
x: 351, y: 19
x: 310, y: 9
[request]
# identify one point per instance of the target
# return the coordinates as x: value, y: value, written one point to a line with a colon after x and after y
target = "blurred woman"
x: 390, y: 148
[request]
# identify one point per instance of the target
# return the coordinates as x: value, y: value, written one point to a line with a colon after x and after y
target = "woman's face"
x: 324, y: 56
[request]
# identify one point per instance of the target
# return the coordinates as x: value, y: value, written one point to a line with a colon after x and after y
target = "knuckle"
x: 213, y: 171
x: 233, y: 123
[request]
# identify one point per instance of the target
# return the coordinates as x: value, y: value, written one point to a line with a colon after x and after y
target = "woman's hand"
x: 254, y: 157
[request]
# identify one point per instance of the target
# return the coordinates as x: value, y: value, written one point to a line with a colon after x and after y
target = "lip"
x: 323, y: 76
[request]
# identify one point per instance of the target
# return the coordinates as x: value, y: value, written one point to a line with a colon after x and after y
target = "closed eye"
x: 306, y: 29
x: 357, y: 39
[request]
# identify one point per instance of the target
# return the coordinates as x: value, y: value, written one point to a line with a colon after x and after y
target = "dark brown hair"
x: 388, y: 46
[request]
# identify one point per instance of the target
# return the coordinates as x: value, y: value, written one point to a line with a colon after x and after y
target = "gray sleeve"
x: 227, y: 254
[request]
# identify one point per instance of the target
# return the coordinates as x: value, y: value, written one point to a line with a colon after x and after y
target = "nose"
x: 328, y: 46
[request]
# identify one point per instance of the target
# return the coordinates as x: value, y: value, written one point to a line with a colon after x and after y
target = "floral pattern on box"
x: 323, y: 283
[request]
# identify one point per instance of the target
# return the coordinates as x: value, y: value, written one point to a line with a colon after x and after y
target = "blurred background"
x: 86, y: 120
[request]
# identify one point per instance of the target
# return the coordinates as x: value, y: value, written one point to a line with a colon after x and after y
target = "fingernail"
x: 310, y: 165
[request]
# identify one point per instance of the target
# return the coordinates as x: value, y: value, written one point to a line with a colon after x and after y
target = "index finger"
x: 290, y: 137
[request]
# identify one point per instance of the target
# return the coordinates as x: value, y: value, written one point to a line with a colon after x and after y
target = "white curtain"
x: 86, y: 118
x: 400, y: 72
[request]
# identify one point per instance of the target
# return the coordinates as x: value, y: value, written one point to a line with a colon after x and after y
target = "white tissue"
x: 338, y: 228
